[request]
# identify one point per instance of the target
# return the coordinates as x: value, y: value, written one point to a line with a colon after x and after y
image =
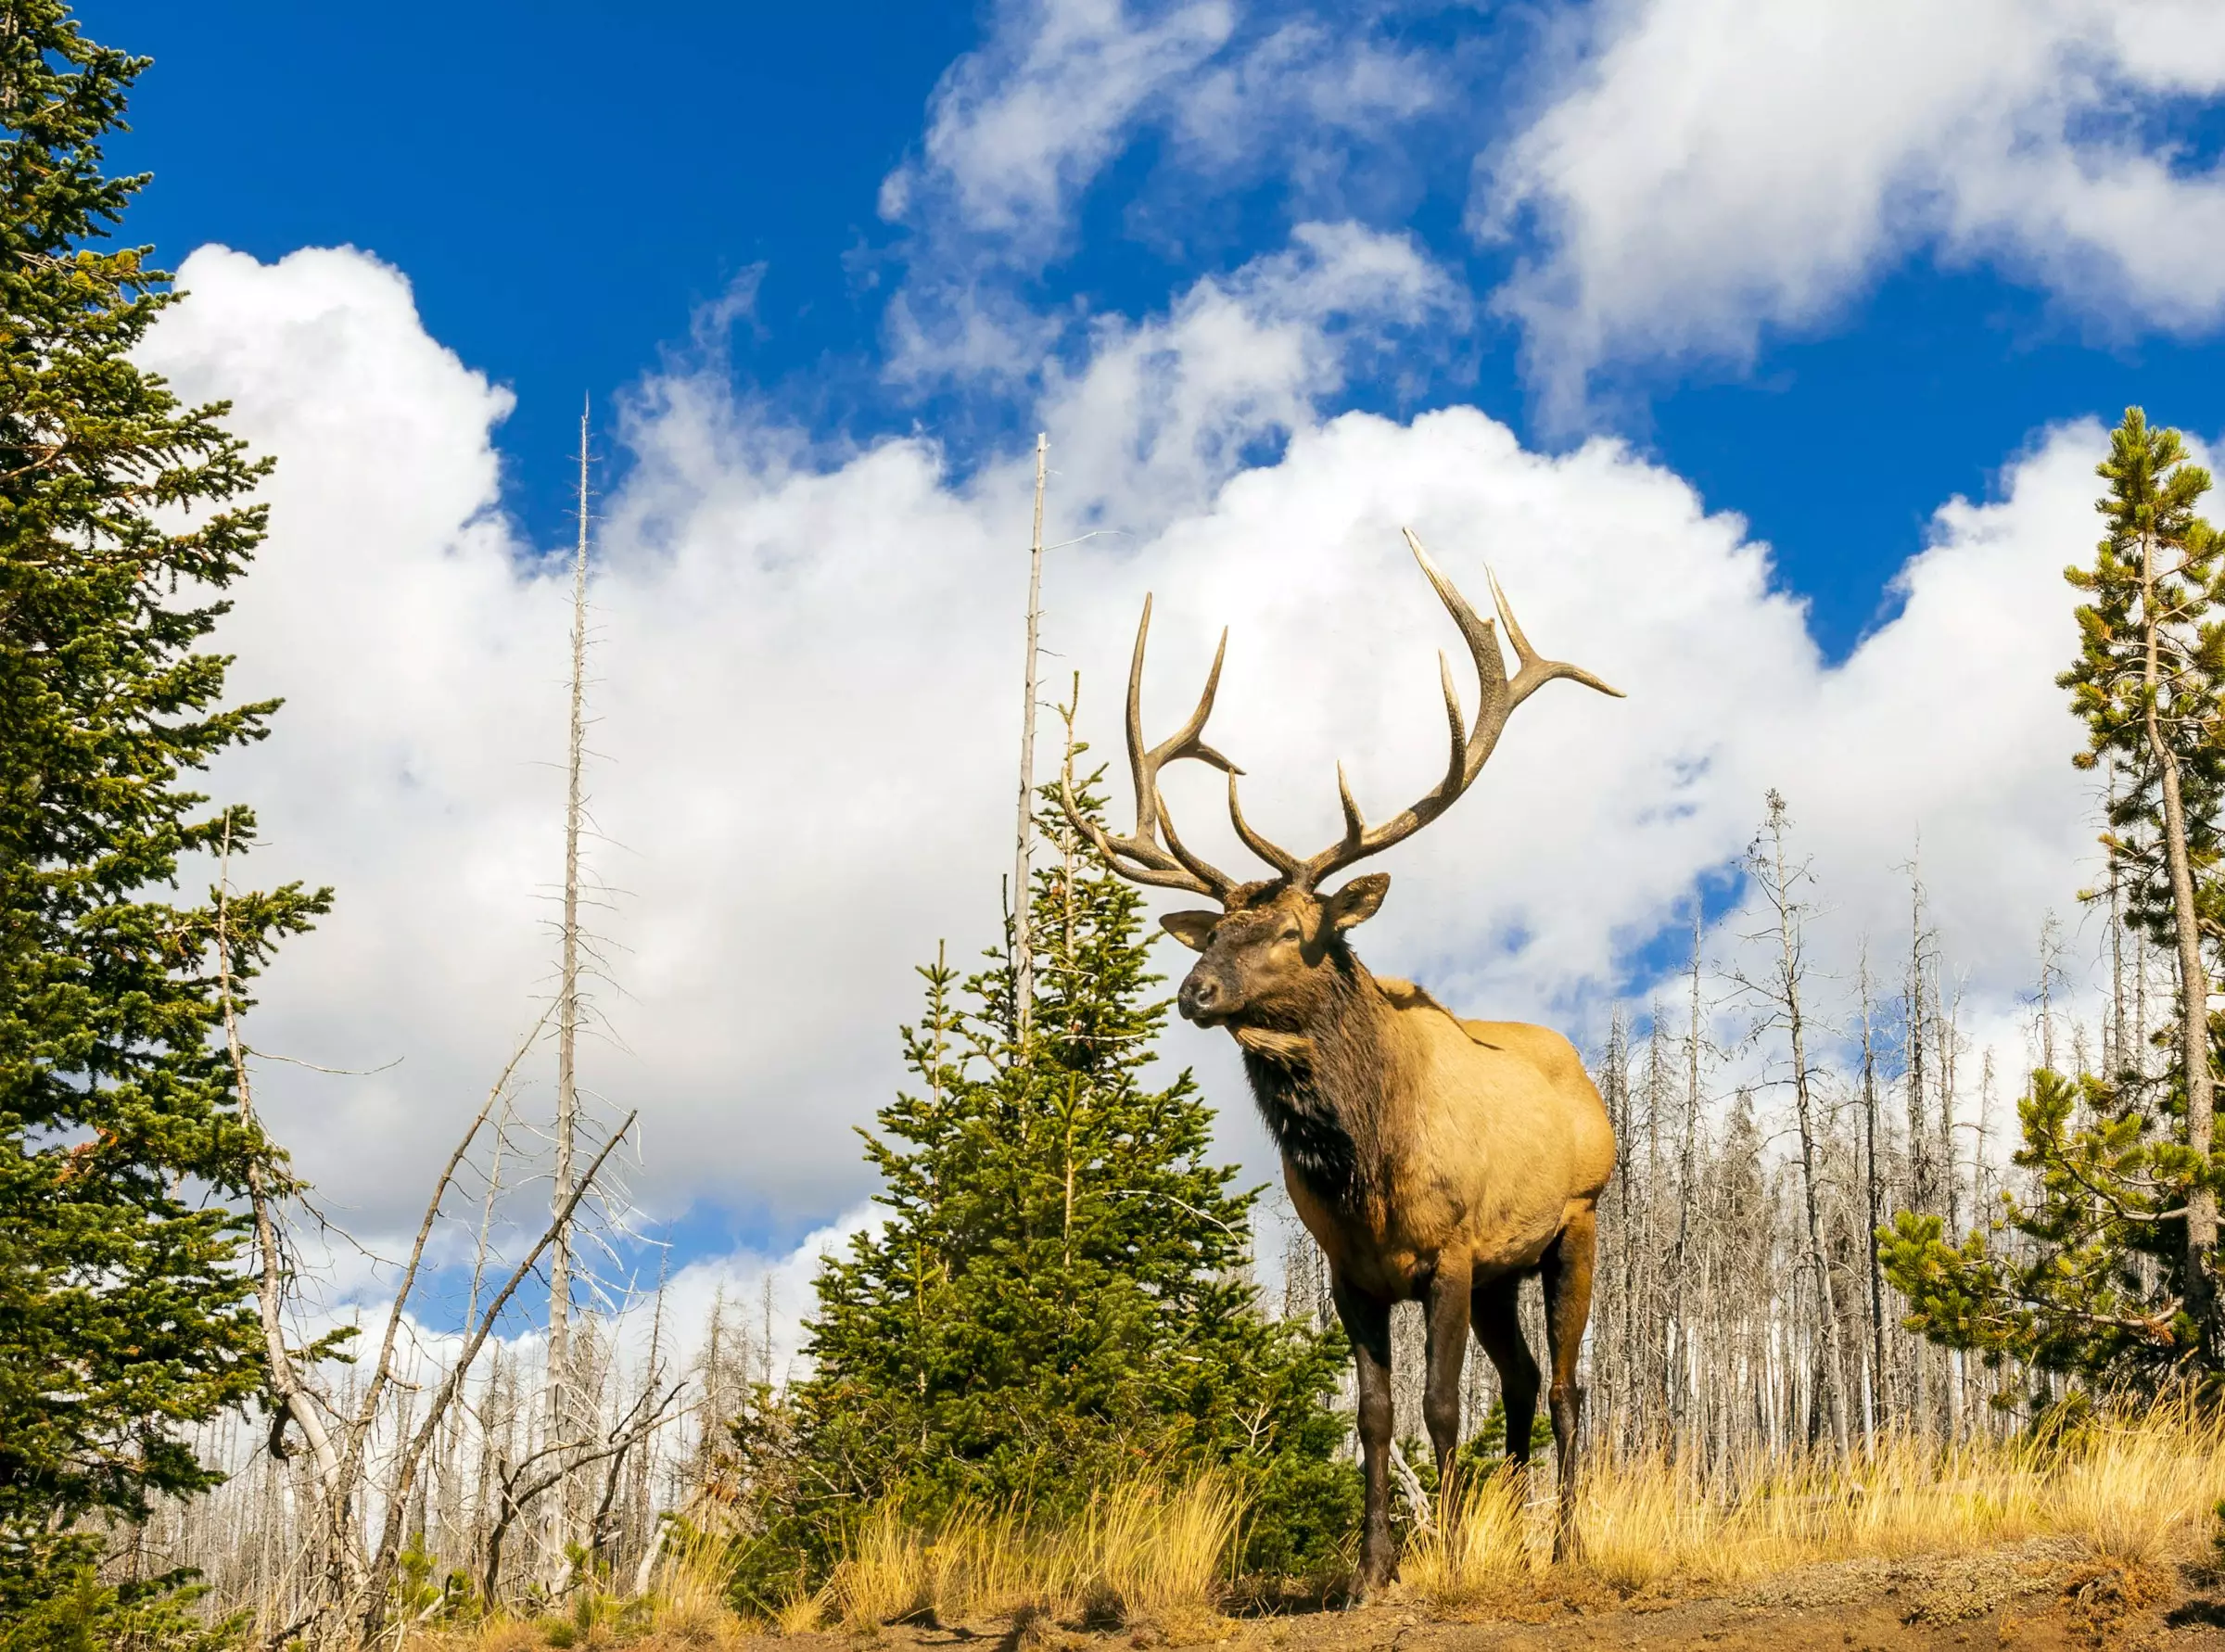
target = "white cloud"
x: 1164, y: 409
x: 1707, y: 169
x: 808, y: 684
x: 1016, y: 129
x: 1298, y: 99
x: 1020, y: 129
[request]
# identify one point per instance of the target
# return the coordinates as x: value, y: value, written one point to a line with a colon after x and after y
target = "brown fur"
x: 1433, y: 1159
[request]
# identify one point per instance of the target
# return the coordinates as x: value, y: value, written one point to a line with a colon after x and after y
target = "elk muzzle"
x: 1205, y: 998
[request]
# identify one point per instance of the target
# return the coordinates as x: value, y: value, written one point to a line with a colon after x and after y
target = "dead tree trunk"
x: 340, y: 1538
x: 567, y: 1025
x: 410, y: 1453
x: 1024, y: 958
x: 1678, y: 1322
x: 1919, y: 1136
x: 1873, y: 1181
x: 1779, y: 885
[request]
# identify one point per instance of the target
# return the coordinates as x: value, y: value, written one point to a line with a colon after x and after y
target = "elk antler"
x: 1138, y: 857
x: 1470, y: 751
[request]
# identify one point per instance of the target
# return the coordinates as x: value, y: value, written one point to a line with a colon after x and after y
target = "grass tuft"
x: 1143, y: 1550
x: 1478, y: 1547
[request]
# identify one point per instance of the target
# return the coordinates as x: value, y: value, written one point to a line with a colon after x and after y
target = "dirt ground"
x: 2034, y: 1599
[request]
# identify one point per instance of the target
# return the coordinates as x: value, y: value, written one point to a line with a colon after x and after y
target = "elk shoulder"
x: 1541, y: 1046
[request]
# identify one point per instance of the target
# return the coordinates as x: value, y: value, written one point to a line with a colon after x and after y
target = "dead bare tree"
x: 568, y: 1009
x: 568, y: 1455
x: 410, y: 1454
x: 1024, y: 959
x: 1874, y: 1206
x: 291, y: 1397
x: 1779, y: 994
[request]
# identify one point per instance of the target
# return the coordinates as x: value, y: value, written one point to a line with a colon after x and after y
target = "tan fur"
x: 1495, y: 1131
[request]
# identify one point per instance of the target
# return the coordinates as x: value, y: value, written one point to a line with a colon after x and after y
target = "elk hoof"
x: 1376, y: 1569
x: 1568, y: 1545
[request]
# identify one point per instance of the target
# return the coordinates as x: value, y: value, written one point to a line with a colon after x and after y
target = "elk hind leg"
x: 1494, y: 1305
x: 1568, y: 1281
x: 1367, y: 1323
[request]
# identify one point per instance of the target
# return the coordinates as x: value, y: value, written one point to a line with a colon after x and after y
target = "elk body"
x: 1433, y: 1159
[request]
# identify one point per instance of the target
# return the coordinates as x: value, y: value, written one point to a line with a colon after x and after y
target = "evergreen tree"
x: 2096, y: 1289
x: 124, y: 1314
x: 1060, y: 1294
x: 2110, y: 1275
x: 2147, y: 683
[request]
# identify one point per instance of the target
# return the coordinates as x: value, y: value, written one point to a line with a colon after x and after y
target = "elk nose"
x: 1201, y: 994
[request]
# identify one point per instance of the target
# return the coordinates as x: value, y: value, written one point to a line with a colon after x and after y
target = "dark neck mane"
x: 1320, y: 1086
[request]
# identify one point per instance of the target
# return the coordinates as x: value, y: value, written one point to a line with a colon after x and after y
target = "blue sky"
x: 1696, y: 317
x: 569, y: 186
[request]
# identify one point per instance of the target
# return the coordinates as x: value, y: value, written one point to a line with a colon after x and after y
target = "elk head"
x: 1272, y: 949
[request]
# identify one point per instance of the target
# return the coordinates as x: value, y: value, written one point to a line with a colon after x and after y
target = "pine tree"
x: 2147, y: 683
x: 2076, y: 1297
x: 2113, y: 1278
x: 1060, y: 1294
x: 125, y: 1315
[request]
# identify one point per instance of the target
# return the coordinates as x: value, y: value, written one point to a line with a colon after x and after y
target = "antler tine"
x: 1138, y: 857
x: 1524, y: 684
x: 1221, y: 883
x: 1481, y: 639
x: 1183, y: 742
x: 1144, y: 796
x: 1355, y: 824
x: 1281, y: 860
x: 1457, y: 762
x: 1469, y: 750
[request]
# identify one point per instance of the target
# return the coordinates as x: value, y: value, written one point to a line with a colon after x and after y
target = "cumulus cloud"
x: 1164, y: 409
x: 1705, y: 170
x: 808, y: 700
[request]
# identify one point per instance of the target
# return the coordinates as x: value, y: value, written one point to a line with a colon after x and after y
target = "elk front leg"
x: 1448, y: 1315
x: 1568, y: 1281
x: 1367, y: 1323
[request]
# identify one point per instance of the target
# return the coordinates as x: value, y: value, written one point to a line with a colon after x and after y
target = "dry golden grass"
x: 688, y: 1604
x: 801, y: 1613
x: 1479, y: 1546
x: 1161, y: 1552
x: 1144, y: 1550
x: 2135, y: 1490
x: 2141, y: 1490
x: 507, y: 1634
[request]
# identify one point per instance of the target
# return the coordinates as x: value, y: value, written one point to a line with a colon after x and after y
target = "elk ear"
x: 1192, y: 929
x: 1357, y: 902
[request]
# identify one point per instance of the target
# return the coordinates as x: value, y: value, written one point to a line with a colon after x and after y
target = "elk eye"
x: 1289, y: 934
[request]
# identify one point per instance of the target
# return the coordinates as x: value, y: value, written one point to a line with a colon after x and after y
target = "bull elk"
x: 1434, y: 1159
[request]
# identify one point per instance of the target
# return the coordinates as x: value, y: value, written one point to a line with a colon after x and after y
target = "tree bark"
x: 2193, y: 977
